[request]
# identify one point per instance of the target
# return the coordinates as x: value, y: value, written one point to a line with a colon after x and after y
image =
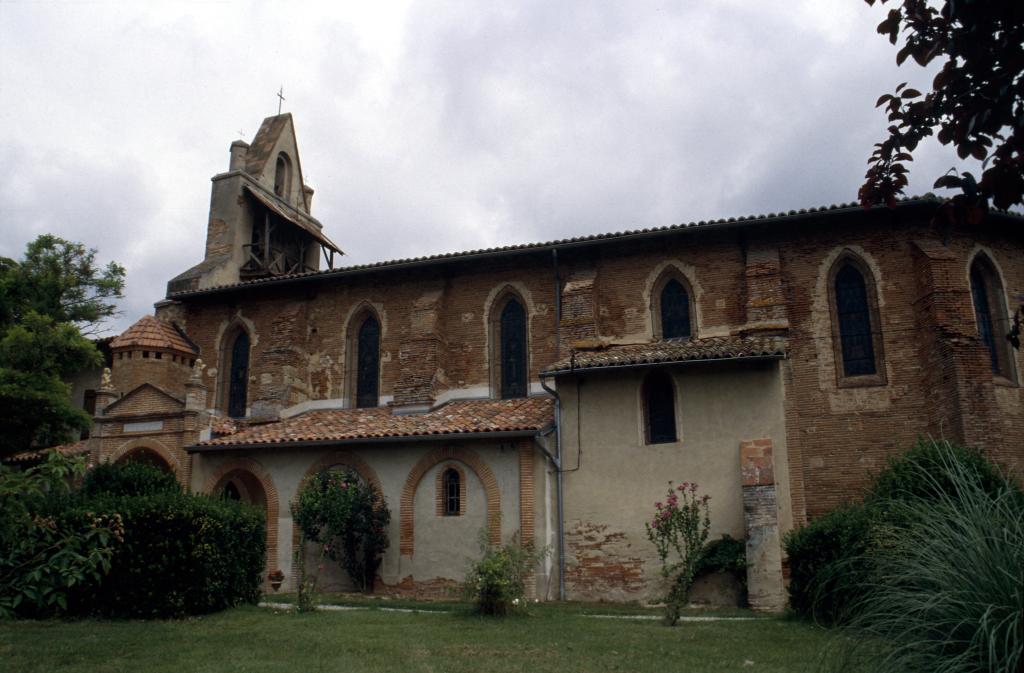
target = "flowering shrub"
x: 496, y: 583
x: 348, y: 518
x: 678, y: 531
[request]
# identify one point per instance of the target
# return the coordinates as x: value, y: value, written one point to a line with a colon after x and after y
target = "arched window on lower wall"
x: 659, y: 407
x: 451, y: 491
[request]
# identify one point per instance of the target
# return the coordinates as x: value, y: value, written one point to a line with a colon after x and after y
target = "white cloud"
x: 427, y: 127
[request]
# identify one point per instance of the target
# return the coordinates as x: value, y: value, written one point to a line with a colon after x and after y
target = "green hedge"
x: 181, y: 555
x: 824, y: 565
x: 128, y: 479
x: 831, y: 557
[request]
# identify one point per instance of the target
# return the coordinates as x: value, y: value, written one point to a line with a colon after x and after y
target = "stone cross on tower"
x: 280, y: 95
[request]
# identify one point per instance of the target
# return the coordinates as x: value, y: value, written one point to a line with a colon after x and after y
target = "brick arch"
x: 470, y: 460
x: 266, y: 482
x: 348, y: 459
x: 157, y: 447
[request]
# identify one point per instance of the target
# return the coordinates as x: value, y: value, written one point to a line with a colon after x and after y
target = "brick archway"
x: 348, y: 459
x: 266, y: 482
x: 155, y: 447
x: 470, y: 460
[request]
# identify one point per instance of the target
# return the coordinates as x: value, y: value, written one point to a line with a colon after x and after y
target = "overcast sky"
x: 427, y: 127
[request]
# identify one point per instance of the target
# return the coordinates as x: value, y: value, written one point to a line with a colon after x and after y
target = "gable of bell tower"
x: 260, y: 223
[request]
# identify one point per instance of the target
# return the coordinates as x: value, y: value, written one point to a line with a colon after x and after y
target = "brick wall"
x: 435, y: 330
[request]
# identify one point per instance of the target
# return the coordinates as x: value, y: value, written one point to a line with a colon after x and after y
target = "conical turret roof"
x: 151, y: 333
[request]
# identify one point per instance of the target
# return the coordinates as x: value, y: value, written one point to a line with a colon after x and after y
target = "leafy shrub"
x: 679, y: 529
x: 128, y: 479
x: 496, y: 583
x: 349, y: 518
x: 823, y: 575
x: 182, y: 555
x: 830, y: 559
x: 724, y: 555
x: 41, y: 556
x: 947, y: 590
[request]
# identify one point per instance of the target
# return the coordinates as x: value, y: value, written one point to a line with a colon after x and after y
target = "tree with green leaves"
x: 976, y: 103
x: 47, y: 300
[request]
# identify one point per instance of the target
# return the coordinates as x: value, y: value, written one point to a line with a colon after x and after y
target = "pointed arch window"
x: 855, y: 324
x: 990, y: 315
x: 513, y: 349
x: 854, y: 318
x: 659, y: 407
x: 675, y: 311
x: 368, y: 363
x: 672, y: 307
x: 238, y: 377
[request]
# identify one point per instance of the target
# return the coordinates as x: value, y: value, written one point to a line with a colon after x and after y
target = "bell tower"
x: 260, y: 224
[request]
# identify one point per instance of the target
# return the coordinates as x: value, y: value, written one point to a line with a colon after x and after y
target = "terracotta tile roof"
x: 663, y: 352
x: 149, y: 332
x: 460, y: 417
x: 928, y: 200
x: 74, y: 449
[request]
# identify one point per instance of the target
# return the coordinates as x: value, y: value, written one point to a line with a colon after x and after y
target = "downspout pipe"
x: 557, y: 461
x: 559, y: 487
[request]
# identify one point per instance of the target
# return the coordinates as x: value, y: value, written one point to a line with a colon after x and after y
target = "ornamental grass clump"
x: 679, y: 531
x: 946, y: 592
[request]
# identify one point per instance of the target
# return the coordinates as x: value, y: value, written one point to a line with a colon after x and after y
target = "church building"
x: 551, y: 391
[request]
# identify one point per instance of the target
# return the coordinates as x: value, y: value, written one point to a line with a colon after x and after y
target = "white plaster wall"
x: 620, y: 478
x: 442, y: 548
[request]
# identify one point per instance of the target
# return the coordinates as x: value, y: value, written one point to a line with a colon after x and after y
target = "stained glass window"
x: 854, y: 318
x: 990, y: 315
x: 675, y: 311
x: 513, y: 350
x: 660, y: 408
x: 238, y: 383
x: 368, y: 364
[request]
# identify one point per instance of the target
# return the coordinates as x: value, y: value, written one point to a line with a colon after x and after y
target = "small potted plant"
x: 275, y: 579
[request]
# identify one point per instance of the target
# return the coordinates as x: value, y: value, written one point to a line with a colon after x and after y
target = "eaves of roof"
x: 567, y: 243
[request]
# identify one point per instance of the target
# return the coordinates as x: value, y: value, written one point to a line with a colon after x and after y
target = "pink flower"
x: 705, y: 498
x: 658, y: 505
x: 693, y: 488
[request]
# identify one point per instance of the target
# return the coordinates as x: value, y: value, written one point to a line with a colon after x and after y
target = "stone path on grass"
x: 346, y: 608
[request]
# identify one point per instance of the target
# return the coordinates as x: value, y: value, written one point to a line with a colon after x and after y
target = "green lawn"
x: 551, y: 638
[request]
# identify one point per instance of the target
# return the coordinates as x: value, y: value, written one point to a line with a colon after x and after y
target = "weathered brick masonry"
x: 746, y: 280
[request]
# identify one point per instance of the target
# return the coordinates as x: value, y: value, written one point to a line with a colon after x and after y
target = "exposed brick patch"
x: 266, y: 482
x: 435, y: 589
x: 598, y: 565
x: 470, y: 460
x: 756, y: 464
